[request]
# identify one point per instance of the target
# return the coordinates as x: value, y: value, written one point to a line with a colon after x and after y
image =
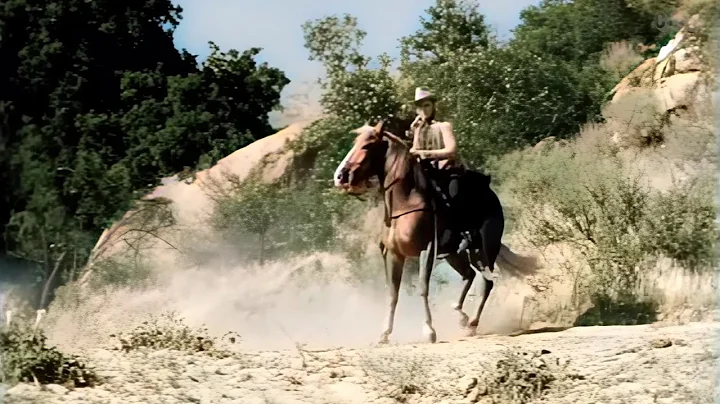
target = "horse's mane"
x: 405, y: 166
x: 396, y: 155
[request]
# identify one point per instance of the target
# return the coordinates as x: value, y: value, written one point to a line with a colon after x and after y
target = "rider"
x: 434, y: 141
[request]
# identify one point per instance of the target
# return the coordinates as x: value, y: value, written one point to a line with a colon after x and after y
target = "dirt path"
x: 641, y: 364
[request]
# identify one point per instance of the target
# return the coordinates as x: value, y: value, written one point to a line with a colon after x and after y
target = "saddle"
x: 472, y: 185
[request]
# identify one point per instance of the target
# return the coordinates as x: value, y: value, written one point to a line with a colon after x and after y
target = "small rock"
x: 22, y: 389
x: 661, y: 343
x: 694, y: 23
x: 467, y: 383
x: 475, y: 394
x: 56, y: 389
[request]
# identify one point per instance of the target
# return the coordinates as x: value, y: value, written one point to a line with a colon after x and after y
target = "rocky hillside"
x: 678, y: 78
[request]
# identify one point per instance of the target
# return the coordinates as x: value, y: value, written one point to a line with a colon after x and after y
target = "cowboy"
x: 434, y: 142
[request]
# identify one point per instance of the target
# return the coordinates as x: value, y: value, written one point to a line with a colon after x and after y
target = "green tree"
x: 576, y: 31
x: 451, y: 26
x: 98, y: 105
x: 352, y: 90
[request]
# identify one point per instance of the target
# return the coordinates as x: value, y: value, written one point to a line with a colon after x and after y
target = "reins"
x: 395, y: 139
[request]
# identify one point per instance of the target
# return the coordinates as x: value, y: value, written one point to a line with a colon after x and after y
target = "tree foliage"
x: 546, y: 81
x: 352, y: 90
x: 98, y: 105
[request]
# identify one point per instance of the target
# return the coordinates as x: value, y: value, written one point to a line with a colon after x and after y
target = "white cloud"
x: 275, y: 26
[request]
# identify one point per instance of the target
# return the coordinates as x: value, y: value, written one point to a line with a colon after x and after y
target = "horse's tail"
x: 517, y: 265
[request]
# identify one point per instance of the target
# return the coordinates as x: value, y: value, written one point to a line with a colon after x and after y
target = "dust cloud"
x: 321, y: 300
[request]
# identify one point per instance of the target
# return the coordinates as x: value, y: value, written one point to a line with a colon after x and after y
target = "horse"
x: 415, y: 220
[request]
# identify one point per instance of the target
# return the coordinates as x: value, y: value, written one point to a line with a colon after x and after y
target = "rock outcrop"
x: 185, y: 197
x: 676, y: 75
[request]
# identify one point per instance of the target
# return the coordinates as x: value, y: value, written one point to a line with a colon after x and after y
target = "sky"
x: 275, y: 26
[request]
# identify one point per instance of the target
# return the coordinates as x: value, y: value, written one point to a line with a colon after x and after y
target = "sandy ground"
x: 633, y: 364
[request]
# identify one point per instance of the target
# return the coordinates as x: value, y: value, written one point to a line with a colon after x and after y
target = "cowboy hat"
x: 422, y: 94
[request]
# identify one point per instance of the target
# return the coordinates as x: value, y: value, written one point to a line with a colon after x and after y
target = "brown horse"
x: 415, y: 223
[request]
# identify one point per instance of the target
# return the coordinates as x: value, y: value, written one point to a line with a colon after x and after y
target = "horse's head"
x: 365, y: 160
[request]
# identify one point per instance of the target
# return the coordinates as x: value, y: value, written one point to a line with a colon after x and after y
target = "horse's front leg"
x: 393, y: 277
x: 409, y: 274
x: 426, y: 266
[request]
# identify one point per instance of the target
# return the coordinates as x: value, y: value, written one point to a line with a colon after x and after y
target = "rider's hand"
x: 417, y: 121
x: 417, y: 153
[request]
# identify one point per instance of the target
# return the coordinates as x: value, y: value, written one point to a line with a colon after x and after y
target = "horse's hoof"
x: 384, y: 340
x: 429, y: 335
x: 470, y: 331
x: 464, y: 319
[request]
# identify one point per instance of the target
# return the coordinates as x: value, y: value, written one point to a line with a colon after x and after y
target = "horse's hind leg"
x: 461, y: 264
x: 487, y: 286
x: 393, y: 277
x: 491, y: 234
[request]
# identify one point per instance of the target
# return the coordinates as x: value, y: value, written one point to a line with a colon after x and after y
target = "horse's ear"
x: 379, y: 128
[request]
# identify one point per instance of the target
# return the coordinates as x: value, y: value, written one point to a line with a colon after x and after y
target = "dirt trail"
x: 633, y: 364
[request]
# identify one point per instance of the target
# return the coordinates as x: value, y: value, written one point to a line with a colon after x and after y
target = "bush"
x: 26, y: 357
x: 130, y: 270
x: 615, y: 220
x: 681, y: 225
x: 285, y: 219
x: 168, y: 331
x: 523, y: 377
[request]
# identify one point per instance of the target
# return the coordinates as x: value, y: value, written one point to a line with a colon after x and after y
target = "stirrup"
x: 465, y: 243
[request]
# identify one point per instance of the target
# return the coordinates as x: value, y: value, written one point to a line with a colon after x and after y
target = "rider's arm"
x: 416, y: 141
x: 450, y: 149
x: 413, y: 131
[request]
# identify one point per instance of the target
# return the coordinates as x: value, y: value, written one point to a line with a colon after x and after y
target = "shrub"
x: 26, y: 357
x: 614, y: 219
x: 681, y: 225
x: 522, y: 377
x: 285, y: 219
x: 168, y: 331
x: 620, y: 58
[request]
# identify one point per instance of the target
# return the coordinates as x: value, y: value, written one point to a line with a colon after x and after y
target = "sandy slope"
x: 638, y: 364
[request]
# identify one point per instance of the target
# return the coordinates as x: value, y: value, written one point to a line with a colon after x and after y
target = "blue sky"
x: 275, y: 26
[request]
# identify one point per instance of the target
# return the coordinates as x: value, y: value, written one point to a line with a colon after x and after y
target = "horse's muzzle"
x: 343, y: 178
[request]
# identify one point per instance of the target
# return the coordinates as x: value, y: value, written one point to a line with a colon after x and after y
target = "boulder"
x: 664, y: 68
x: 634, y: 78
x: 679, y: 90
x: 687, y: 60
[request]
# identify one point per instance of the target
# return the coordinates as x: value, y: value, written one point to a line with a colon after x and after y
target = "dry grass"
x: 620, y: 58
x: 398, y: 375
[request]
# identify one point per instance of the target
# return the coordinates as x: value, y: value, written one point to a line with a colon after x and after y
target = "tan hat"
x: 422, y: 94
